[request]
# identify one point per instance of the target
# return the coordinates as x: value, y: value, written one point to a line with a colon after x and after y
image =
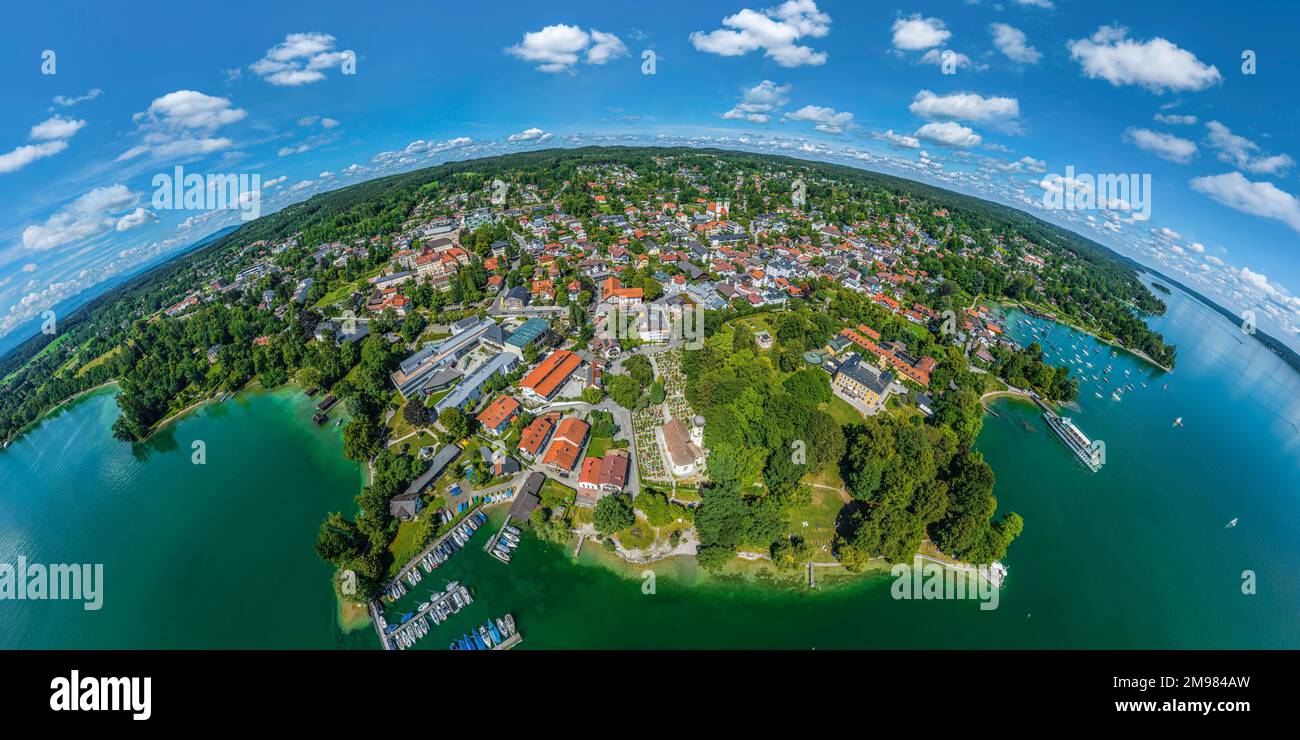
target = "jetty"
x: 450, y: 601
x: 509, y: 642
x: 414, y: 562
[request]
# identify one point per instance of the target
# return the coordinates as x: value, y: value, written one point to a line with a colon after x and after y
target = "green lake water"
x: 1135, y: 555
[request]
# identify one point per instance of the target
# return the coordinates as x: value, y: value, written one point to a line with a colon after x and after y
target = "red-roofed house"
x: 498, y: 414
x: 566, y: 446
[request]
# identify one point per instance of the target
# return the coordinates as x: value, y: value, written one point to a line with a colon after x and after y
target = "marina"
x: 502, y: 544
x: 416, y: 625
x: 437, y: 553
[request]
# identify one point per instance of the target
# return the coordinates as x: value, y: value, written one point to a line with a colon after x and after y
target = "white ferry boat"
x: 1076, y: 440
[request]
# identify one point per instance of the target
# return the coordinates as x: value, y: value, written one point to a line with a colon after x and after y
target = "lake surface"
x: 205, y: 556
x: 1136, y: 555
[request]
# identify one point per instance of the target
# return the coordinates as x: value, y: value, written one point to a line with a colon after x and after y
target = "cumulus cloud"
x: 1013, y: 44
x: 299, y: 60
x: 52, y: 136
x: 55, y: 128
x: 949, y: 133
x: 1244, y: 153
x: 558, y: 48
x: 916, y: 33
x: 417, y: 148
x: 1165, y: 146
x: 901, y: 141
x: 775, y: 31
x: 964, y: 107
x: 138, y: 217
x: 1156, y: 64
x: 532, y: 134
x: 180, y: 123
x: 87, y: 216
x: 825, y: 119
x: 955, y: 58
x: 1255, y: 198
x: 759, y: 102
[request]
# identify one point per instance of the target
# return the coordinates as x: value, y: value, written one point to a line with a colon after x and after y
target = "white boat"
x: 1231, y: 524
x: 1178, y: 422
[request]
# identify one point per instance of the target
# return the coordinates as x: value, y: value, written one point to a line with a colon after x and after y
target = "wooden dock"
x: 509, y: 642
x: 373, y: 608
x: 446, y: 596
x: 415, y: 561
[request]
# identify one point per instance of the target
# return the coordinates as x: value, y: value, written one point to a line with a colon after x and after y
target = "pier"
x: 415, y: 561
x: 453, y: 588
x: 509, y: 642
x: 373, y: 607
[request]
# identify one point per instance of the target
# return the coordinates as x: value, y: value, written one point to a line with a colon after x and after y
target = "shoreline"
x: 56, y: 408
x: 1111, y: 342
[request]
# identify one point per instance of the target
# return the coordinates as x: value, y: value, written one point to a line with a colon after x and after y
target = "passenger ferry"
x: 1076, y: 440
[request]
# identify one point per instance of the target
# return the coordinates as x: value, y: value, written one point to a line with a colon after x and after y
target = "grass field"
x: 842, y: 412
x: 598, y: 446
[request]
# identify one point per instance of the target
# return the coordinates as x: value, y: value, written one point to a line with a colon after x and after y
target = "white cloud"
x: 55, y: 128
x: 85, y: 217
x: 900, y: 140
x: 1013, y: 44
x: 30, y: 267
x: 66, y: 101
x: 532, y: 134
x: 1036, y: 3
x: 604, y: 47
x: 774, y: 30
x: 557, y: 48
x: 178, y: 124
x: 138, y: 217
x: 826, y: 119
x: 1175, y: 119
x: 1155, y: 64
x: 52, y: 136
x: 24, y: 155
x: 1165, y: 146
x: 1241, y: 152
x: 416, y: 148
x: 759, y: 102
x: 916, y: 33
x: 1255, y: 198
x: 189, y: 109
x: 299, y: 59
x: 955, y: 58
x: 963, y: 107
x: 949, y: 133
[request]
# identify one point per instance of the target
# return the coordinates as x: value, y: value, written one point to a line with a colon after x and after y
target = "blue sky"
x: 1038, y: 85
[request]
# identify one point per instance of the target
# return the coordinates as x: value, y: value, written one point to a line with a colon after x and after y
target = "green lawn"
x: 598, y: 446
x: 554, y: 492
x: 820, y: 515
x: 842, y: 412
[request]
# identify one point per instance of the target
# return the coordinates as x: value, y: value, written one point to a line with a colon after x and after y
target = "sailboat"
x: 1178, y: 422
x: 1231, y: 524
